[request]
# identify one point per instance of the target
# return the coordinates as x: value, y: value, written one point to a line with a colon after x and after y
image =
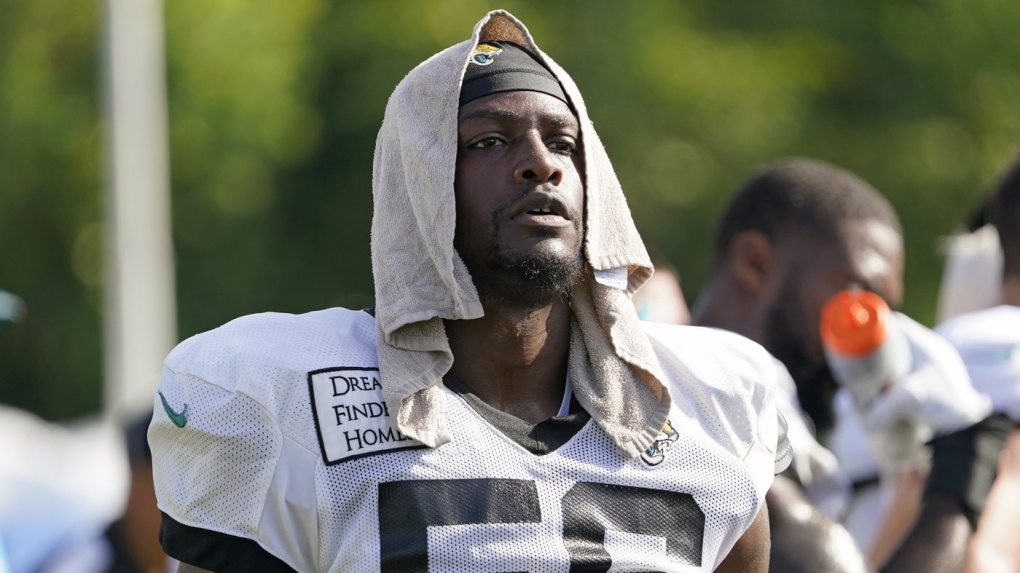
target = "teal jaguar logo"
x: 484, y: 54
x: 656, y: 452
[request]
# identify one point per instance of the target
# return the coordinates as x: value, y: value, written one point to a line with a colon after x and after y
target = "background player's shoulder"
x: 960, y: 325
x: 975, y: 327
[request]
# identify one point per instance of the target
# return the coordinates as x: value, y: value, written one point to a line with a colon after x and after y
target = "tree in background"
x: 274, y: 107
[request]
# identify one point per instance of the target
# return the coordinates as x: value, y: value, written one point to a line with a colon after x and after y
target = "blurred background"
x: 273, y: 108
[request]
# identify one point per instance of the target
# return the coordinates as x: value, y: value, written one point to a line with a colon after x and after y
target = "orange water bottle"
x: 864, y: 349
x: 867, y: 353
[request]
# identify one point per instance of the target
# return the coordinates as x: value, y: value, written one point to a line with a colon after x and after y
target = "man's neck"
x: 717, y: 309
x: 515, y: 357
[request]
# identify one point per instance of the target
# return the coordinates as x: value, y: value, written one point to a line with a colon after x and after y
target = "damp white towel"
x: 420, y: 280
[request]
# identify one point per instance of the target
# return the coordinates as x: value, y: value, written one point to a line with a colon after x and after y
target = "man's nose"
x: 538, y: 164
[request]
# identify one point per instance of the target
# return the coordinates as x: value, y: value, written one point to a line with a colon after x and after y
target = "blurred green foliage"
x: 274, y: 106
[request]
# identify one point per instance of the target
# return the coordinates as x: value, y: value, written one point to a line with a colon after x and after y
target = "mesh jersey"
x: 989, y: 343
x: 841, y: 480
x: 825, y: 482
x: 254, y: 437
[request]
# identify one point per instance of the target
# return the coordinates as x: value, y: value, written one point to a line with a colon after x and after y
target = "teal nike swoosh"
x: 178, y: 418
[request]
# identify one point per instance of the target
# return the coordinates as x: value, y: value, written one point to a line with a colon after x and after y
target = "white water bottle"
x: 867, y: 354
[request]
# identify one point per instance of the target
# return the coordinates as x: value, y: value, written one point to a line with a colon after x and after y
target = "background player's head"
x: 798, y: 231
x: 1004, y: 213
x: 519, y: 185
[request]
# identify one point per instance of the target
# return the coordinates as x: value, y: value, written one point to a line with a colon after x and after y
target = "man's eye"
x: 487, y: 142
x: 563, y: 145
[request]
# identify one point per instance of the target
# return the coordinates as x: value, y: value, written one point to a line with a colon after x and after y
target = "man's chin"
x: 535, y: 277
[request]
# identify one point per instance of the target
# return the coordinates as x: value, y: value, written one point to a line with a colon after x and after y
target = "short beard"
x: 816, y: 387
x: 537, y: 278
x: 533, y: 279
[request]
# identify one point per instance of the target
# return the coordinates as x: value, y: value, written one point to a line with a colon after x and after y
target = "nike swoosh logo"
x: 178, y: 418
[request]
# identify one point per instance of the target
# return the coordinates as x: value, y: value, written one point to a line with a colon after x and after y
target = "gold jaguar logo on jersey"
x: 484, y: 54
x: 656, y: 452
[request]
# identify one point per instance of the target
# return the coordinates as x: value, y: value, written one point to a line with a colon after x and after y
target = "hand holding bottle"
x: 896, y: 369
x: 937, y: 392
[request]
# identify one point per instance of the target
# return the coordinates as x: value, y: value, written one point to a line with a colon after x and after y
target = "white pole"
x: 140, y: 313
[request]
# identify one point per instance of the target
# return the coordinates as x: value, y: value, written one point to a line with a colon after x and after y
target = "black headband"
x: 497, y: 67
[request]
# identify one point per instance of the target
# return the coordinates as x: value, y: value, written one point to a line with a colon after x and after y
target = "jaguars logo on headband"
x: 656, y: 452
x: 484, y: 54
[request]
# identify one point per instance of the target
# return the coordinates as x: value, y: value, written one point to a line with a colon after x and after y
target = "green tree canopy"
x: 274, y: 106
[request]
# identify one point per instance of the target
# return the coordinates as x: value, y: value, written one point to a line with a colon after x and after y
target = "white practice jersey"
x: 989, y: 343
x: 273, y: 450
x: 842, y: 480
x: 825, y: 483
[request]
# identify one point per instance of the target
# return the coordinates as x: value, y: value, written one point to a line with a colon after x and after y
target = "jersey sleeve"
x: 727, y: 384
x: 784, y: 450
x: 216, y: 551
x: 214, y: 452
x: 770, y: 453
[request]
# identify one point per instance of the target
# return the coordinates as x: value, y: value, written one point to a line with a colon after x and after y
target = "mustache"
x: 506, y: 210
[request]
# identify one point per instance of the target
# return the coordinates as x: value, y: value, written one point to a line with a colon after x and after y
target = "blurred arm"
x: 994, y: 546
x: 805, y: 539
x: 751, y: 552
x: 938, y: 541
x: 963, y: 470
x: 899, y: 517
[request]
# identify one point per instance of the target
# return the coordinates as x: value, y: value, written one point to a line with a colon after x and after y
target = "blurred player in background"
x: 795, y: 234
x: 661, y: 299
x: 12, y: 308
x: 989, y: 342
x: 130, y: 543
x: 75, y: 497
x: 502, y: 408
x: 972, y: 276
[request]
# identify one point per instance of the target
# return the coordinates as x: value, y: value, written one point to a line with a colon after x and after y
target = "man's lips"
x: 540, y: 209
x: 548, y: 221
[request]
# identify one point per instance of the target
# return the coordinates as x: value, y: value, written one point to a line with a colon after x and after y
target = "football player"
x: 502, y: 408
x: 989, y: 342
x: 796, y: 233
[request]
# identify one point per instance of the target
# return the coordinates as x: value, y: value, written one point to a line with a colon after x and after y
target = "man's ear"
x: 752, y: 259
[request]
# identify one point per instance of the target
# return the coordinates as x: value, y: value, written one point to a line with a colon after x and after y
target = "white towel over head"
x: 420, y: 280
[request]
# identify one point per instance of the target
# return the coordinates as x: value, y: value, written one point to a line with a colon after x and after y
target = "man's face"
x: 520, y: 195
x: 866, y: 255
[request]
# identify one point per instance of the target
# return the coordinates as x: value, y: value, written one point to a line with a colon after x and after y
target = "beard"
x: 538, y: 277
x: 816, y: 387
x: 532, y: 278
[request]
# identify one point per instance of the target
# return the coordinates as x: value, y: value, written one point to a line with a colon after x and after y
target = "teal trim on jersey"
x: 178, y: 418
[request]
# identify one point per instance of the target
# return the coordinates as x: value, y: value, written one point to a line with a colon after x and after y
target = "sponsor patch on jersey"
x: 351, y: 416
x: 656, y: 452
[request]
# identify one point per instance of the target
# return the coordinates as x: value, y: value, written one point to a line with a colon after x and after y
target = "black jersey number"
x: 407, y: 508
